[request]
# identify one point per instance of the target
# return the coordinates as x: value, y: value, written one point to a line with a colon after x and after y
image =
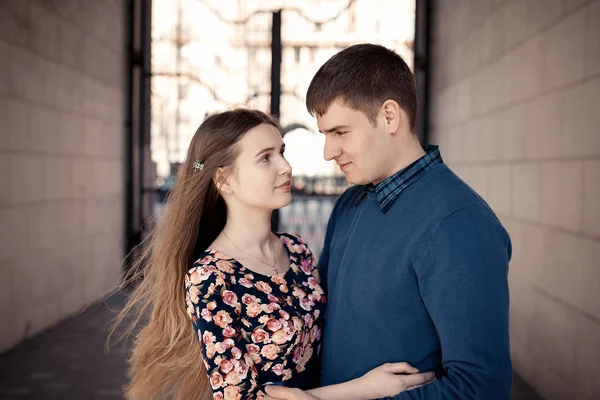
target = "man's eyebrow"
x: 336, y: 128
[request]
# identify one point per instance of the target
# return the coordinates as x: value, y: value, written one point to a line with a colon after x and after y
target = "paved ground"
x: 69, y: 362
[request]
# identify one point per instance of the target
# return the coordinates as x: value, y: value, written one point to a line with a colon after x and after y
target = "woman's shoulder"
x: 293, y: 240
x: 296, y: 245
x: 211, y: 266
x: 290, y: 236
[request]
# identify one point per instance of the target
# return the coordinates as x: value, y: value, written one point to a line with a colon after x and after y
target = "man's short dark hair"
x: 364, y: 76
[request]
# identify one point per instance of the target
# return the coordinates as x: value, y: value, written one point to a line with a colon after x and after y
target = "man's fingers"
x: 416, y: 379
x: 400, y: 368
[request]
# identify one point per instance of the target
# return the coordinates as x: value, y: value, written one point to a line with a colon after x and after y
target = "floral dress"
x: 257, y: 329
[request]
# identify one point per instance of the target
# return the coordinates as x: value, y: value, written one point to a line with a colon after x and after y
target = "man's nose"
x: 331, y: 150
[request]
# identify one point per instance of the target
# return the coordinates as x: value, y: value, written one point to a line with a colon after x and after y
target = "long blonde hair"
x: 166, y: 361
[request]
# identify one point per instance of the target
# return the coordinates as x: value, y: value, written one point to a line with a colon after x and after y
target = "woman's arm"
x: 212, y: 308
x: 350, y: 390
x: 386, y: 380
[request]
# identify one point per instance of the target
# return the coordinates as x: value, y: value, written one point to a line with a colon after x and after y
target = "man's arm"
x: 463, y: 282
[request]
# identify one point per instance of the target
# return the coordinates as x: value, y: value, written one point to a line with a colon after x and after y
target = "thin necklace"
x: 273, y: 266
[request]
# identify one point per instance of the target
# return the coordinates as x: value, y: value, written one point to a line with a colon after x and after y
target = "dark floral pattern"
x: 256, y: 329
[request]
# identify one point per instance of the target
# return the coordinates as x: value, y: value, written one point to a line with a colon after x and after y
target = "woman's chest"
x: 281, y: 317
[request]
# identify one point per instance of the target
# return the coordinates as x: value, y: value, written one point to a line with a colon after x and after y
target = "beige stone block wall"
x: 516, y: 111
x: 62, y: 136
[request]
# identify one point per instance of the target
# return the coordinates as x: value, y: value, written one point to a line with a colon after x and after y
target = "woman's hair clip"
x: 198, y: 166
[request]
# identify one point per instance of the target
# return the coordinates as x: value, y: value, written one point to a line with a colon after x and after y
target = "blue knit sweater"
x: 425, y: 283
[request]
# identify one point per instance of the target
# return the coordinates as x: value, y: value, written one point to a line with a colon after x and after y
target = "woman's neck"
x: 249, y: 230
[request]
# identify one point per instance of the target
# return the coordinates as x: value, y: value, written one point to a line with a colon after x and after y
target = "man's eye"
x: 341, y: 133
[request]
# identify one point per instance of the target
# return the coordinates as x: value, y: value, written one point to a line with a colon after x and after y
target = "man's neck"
x: 410, y: 150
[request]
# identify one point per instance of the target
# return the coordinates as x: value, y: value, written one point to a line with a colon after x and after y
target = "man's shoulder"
x: 453, y: 201
x: 445, y: 191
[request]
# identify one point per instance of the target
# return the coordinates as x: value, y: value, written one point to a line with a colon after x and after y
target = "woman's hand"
x: 390, y: 379
x: 386, y: 380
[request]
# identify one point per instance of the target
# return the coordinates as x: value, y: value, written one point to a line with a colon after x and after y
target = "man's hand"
x: 285, y: 393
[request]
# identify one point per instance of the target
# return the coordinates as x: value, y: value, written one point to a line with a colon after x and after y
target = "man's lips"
x: 342, y: 166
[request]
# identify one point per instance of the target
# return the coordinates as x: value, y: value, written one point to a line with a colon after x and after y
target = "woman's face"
x: 260, y: 176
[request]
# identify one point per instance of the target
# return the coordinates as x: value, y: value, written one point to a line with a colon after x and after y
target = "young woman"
x: 253, y: 296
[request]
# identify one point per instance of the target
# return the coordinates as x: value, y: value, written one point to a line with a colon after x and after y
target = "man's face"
x: 354, y: 143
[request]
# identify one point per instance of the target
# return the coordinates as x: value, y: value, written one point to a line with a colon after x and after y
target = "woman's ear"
x: 221, y: 180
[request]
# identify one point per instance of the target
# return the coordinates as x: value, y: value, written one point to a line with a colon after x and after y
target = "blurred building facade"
x: 514, y: 94
x: 211, y: 55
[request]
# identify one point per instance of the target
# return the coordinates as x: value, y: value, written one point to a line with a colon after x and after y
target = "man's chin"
x: 352, y: 179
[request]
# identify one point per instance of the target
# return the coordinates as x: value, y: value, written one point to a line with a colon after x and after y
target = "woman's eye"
x: 265, y: 158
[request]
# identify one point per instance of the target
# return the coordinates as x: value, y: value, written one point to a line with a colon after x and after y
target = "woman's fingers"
x: 400, y: 368
x: 418, y: 386
x: 410, y: 381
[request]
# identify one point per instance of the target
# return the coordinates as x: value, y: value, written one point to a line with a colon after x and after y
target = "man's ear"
x: 221, y: 180
x: 392, y: 114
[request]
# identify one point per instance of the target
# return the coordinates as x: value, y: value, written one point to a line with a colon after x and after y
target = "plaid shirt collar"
x: 389, y: 189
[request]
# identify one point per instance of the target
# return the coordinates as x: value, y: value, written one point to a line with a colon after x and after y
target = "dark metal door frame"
x: 276, y: 58
x: 422, y: 56
x: 139, y: 14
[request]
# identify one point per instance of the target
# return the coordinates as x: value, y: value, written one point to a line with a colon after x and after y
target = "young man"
x: 415, y: 263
